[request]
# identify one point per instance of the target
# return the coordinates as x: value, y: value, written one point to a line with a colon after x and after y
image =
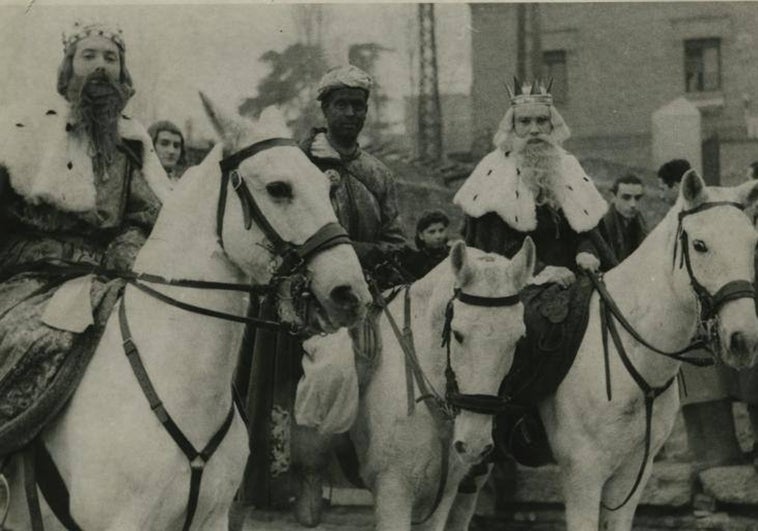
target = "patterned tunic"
x: 32, y: 353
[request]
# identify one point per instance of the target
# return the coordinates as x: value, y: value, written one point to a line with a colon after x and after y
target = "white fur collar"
x: 47, y: 164
x: 495, y: 186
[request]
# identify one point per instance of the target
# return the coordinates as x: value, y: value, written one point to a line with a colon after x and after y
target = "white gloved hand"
x: 562, y: 276
x: 588, y: 262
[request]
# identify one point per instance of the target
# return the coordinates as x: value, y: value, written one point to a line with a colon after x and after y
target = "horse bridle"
x: 443, y: 409
x: 294, y: 257
x: 732, y: 290
x: 454, y: 399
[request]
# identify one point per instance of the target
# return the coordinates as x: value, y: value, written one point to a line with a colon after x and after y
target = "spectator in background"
x: 431, y: 243
x: 670, y: 176
x: 623, y: 226
x: 168, y: 142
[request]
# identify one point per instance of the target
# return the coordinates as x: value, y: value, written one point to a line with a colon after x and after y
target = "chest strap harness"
x: 197, y: 458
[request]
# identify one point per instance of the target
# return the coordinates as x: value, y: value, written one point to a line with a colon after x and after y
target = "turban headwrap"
x: 343, y: 77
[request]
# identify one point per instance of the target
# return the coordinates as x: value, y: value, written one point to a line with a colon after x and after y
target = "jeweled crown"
x: 525, y: 92
x: 81, y: 30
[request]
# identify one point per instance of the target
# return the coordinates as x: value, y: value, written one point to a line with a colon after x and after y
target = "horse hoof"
x: 308, y: 504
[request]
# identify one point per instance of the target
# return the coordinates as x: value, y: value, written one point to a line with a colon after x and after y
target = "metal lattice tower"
x: 429, y: 113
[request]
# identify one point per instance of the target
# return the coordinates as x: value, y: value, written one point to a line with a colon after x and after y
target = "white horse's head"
x: 715, y: 247
x: 293, y: 196
x: 483, y: 338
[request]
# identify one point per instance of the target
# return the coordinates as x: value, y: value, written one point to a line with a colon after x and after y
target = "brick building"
x: 614, y: 64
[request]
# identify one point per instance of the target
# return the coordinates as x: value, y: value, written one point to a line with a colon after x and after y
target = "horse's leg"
x: 617, y: 489
x: 438, y: 520
x: 393, y: 503
x: 464, y: 505
x: 18, y: 512
x: 582, y: 489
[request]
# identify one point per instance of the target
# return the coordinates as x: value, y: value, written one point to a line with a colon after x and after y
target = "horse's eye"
x: 458, y: 337
x: 279, y: 190
x: 700, y: 246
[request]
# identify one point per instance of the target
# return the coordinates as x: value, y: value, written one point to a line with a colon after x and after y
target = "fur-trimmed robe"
x: 500, y: 211
x: 53, y: 207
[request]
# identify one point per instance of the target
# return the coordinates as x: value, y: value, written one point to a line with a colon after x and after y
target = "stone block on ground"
x: 731, y: 484
x: 671, y: 484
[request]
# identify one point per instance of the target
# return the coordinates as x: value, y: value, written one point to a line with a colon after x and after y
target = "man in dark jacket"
x: 623, y: 227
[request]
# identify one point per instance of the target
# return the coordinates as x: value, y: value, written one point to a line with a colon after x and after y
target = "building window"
x: 554, y: 67
x: 702, y: 65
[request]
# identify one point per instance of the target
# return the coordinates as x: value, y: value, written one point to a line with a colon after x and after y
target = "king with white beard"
x: 529, y: 185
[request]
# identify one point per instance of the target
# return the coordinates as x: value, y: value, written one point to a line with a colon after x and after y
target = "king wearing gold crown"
x: 529, y: 185
x: 80, y: 184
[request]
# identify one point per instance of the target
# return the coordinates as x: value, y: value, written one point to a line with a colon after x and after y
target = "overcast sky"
x: 175, y: 50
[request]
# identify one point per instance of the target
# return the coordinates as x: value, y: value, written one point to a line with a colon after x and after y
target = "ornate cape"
x: 495, y: 186
x: 46, y: 164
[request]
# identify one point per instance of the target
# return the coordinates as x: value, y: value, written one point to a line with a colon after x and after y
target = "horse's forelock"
x: 491, y: 276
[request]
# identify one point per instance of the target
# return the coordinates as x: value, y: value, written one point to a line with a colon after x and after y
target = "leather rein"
x: 709, y: 305
x: 445, y: 408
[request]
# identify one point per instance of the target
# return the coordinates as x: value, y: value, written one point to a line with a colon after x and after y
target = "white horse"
x: 399, y: 447
x: 122, y: 469
x: 705, y: 240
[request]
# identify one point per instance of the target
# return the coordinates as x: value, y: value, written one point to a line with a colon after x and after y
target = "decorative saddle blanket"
x: 556, y: 320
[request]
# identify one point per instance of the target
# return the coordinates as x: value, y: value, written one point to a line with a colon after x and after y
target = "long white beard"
x: 539, y: 164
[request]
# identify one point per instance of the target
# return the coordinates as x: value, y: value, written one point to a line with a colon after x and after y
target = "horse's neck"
x: 642, y: 288
x: 186, y: 249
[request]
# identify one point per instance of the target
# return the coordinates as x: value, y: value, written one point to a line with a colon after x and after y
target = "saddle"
x: 556, y: 320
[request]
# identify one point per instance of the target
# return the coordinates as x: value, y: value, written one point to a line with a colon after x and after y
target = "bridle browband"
x: 476, y: 403
x: 293, y: 256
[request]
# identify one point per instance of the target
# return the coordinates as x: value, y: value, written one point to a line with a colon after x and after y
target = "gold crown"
x: 535, y: 92
x: 82, y: 30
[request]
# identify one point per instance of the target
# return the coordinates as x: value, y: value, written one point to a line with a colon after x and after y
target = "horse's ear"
x: 747, y: 193
x: 228, y: 125
x: 522, y: 264
x: 693, y: 187
x: 459, y: 262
